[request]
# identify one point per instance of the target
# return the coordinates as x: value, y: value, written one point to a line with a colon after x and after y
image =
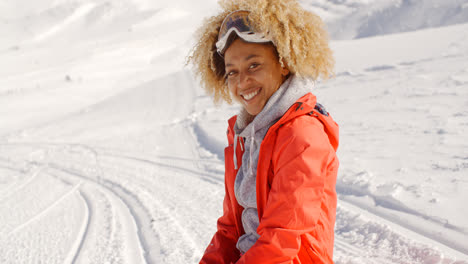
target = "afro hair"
x: 299, y: 36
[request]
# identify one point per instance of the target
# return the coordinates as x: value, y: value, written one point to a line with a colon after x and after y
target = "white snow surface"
x: 110, y: 152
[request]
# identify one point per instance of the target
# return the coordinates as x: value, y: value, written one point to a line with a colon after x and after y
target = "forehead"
x: 241, y: 50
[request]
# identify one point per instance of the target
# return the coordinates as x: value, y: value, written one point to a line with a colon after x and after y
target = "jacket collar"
x: 304, y: 106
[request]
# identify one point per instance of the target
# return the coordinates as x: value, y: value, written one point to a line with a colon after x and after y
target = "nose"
x: 243, y: 81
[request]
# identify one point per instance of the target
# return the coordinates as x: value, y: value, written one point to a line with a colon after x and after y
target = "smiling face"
x: 253, y: 73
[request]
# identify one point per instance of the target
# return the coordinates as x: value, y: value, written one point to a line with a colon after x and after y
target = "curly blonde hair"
x: 300, y: 38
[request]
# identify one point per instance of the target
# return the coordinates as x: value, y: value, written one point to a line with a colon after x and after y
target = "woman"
x: 280, y: 164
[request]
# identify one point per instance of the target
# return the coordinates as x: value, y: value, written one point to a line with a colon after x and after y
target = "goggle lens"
x: 237, y: 19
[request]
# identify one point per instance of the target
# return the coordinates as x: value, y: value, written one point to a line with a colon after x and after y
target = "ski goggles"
x: 237, y: 22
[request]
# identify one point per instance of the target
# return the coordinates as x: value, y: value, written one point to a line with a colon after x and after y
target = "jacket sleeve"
x: 222, y: 248
x: 301, y: 159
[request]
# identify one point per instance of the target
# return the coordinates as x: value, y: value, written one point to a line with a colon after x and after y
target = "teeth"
x: 250, y: 95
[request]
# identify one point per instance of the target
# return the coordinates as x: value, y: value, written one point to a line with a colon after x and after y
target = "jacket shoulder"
x: 304, y: 128
x: 297, y: 135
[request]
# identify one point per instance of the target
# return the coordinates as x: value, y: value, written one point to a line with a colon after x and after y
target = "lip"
x: 257, y: 90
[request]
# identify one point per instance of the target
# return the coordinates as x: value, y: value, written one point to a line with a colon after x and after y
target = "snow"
x: 110, y: 152
x: 349, y: 19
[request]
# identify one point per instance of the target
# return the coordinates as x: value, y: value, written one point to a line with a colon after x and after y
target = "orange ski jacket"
x: 295, y: 188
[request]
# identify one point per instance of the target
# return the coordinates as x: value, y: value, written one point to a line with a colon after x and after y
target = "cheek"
x: 231, y: 87
x: 273, y: 79
x: 233, y: 91
x: 265, y: 78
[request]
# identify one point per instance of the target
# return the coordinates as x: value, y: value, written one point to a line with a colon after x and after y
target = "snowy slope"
x: 111, y: 153
x: 349, y: 19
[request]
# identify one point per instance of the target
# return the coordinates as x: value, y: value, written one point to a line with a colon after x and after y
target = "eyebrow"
x: 246, y: 59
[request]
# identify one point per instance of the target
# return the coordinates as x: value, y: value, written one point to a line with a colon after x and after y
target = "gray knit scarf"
x: 253, y: 130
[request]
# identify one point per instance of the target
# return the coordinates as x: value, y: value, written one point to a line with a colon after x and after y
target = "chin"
x: 253, y: 112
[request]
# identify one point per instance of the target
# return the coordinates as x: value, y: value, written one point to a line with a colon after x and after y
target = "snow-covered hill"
x: 111, y: 153
x: 349, y: 19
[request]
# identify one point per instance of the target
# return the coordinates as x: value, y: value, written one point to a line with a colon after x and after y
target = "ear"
x: 284, y: 71
x: 284, y: 68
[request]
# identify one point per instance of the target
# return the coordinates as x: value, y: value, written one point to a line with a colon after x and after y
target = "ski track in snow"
x: 57, y: 202
x: 16, y: 186
x: 78, y: 245
x: 49, y: 211
x: 154, y: 206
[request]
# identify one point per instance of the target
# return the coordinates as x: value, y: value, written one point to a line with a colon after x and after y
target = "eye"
x: 253, y: 65
x: 230, y: 73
